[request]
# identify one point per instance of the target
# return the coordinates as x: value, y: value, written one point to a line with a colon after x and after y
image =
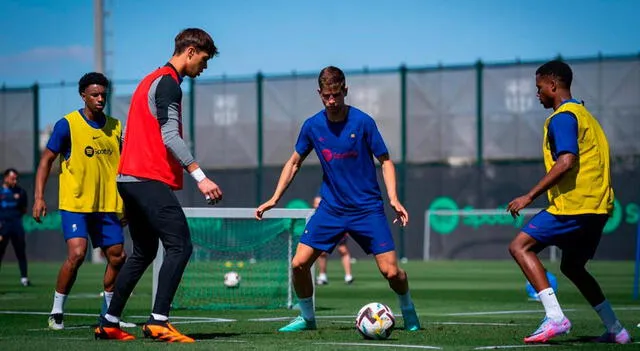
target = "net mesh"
x: 259, y: 251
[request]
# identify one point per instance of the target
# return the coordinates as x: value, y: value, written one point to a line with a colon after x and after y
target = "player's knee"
x: 298, y: 265
x: 117, y: 260
x: 391, y: 272
x: 515, y: 249
x: 76, y: 257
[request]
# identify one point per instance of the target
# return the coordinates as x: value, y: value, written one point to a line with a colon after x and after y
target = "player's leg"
x: 18, y: 241
x: 4, y: 241
x: 322, y: 269
x: 345, y: 257
x: 542, y: 230
x: 573, y: 266
x: 321, y: 234
x: 371, y: 231
x: 74, y: 228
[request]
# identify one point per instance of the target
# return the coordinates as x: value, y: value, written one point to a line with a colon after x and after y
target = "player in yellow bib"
x: 578, y: 185
x: 90, y: 206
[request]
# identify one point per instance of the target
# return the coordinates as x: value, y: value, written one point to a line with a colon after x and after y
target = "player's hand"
x: 402, y: 215
x: 210, y: 190
x: 264, y: 208
x: 39, y: 210
x: 518, y: 204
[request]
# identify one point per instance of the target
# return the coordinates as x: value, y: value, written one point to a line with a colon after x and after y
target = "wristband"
x: 198, y: 175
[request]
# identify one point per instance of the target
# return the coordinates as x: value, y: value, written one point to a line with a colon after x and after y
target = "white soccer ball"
x: 231, y: 279
x: 375, y: 321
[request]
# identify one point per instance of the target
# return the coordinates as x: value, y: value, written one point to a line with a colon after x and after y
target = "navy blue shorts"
x: 104, y: 228
x: 574, y: 233
x: 326, y: 229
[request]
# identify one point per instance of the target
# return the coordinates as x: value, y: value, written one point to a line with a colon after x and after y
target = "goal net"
x: 474, y: 233
x: 232, y: 240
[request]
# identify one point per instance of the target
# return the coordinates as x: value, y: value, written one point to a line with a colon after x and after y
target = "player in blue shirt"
x: 346, y: 140
x: 13, y: 205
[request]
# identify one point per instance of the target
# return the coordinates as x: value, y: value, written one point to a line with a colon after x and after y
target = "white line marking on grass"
x: 384, y: 344
x: 509, y: 346
x: 73, y: 338
x: 194, y: 318
x: 221, y: 340
x: 278, y: 319
x: 487, y: 313
x: 477, y: 323
x: 65, y: 328
x: 211, y: 320
x: 48, y: 313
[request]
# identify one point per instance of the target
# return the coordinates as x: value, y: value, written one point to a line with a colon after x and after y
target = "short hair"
x: 197, y: 38
x: 11, y: 170
x: 331, y: 76
x: 557, y: 69
x: 92, y: 78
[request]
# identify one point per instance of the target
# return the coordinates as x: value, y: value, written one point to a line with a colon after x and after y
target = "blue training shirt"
x: 60, y: 140
x: 13, y: 202
x: 346, y: 150
x: 563, y: 133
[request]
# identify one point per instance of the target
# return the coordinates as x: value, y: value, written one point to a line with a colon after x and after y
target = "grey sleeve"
x: 167, y: 99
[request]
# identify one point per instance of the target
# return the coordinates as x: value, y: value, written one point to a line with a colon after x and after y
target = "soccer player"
x: 13, y: 205
x: 578, y: 185
x: 346, y: 140
x: 343, y: 250
x: 153, y: 158
x: 89, y: 142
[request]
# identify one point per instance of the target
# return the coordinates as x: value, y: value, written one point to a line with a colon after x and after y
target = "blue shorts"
x: 104, y: 228
x: 326, y: 229
x: 11, y: 227
x: 573, y: 233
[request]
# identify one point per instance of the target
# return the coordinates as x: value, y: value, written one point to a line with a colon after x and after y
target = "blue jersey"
x: 13, y: 203
x: 346, y: 150
x: 563, y: 133
x: 60, y: 140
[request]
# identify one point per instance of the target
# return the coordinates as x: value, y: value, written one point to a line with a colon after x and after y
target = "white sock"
x: 551, y: 304
x: 58, y: 303
x: 108, y: 295
x: 306, y: 308
x: 112, y: 319
x: 322, y: 276
x: 24, y: 280
x: 608, y: 317
x: 348, y: 277
x: 159, y: 317
x: 405, y: 301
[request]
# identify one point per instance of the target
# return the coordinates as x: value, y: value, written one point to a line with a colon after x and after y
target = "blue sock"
x: 608, y: 317
x: 306, y: 308
x: 405, y: 301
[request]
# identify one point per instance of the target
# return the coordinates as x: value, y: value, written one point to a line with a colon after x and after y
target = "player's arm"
x: 563, y: 129
x: 379, y: 150
x: 168, y: 99
x: 289, y: 170
x: 59, y: 142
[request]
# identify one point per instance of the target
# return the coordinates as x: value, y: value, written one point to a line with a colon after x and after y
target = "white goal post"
x: 428, y: 218
x: 240, y: 213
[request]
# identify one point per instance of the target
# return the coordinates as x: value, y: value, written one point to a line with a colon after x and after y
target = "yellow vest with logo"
x: 88, y: 177
x: 585, y: 188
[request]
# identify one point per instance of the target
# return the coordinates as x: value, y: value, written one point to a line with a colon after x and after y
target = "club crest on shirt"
x: 16, y: 196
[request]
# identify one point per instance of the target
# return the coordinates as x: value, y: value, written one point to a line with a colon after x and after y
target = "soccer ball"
x: 375, y: 321
x: 231, y: 279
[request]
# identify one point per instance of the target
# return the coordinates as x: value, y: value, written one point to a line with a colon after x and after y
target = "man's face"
x: 11, y: 179
x: 95, y: 97
x: 546, y: 90
x: 333, y: 97
x: 196, y: 62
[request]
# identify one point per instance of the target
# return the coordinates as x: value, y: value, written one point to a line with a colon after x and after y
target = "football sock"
x: 405, y: 301
x: 306, y: 308
x: 608, y: 317
x: 551, y: 304
x: 58, y: 303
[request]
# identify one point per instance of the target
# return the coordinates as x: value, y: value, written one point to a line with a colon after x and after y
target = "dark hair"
x: 557, y: 69
x: 11, y: 170
x: 331, y: 76
x: 197, y: 38
x: 92, y: 78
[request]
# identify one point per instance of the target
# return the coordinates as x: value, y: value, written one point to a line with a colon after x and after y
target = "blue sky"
x: 51, y: 41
